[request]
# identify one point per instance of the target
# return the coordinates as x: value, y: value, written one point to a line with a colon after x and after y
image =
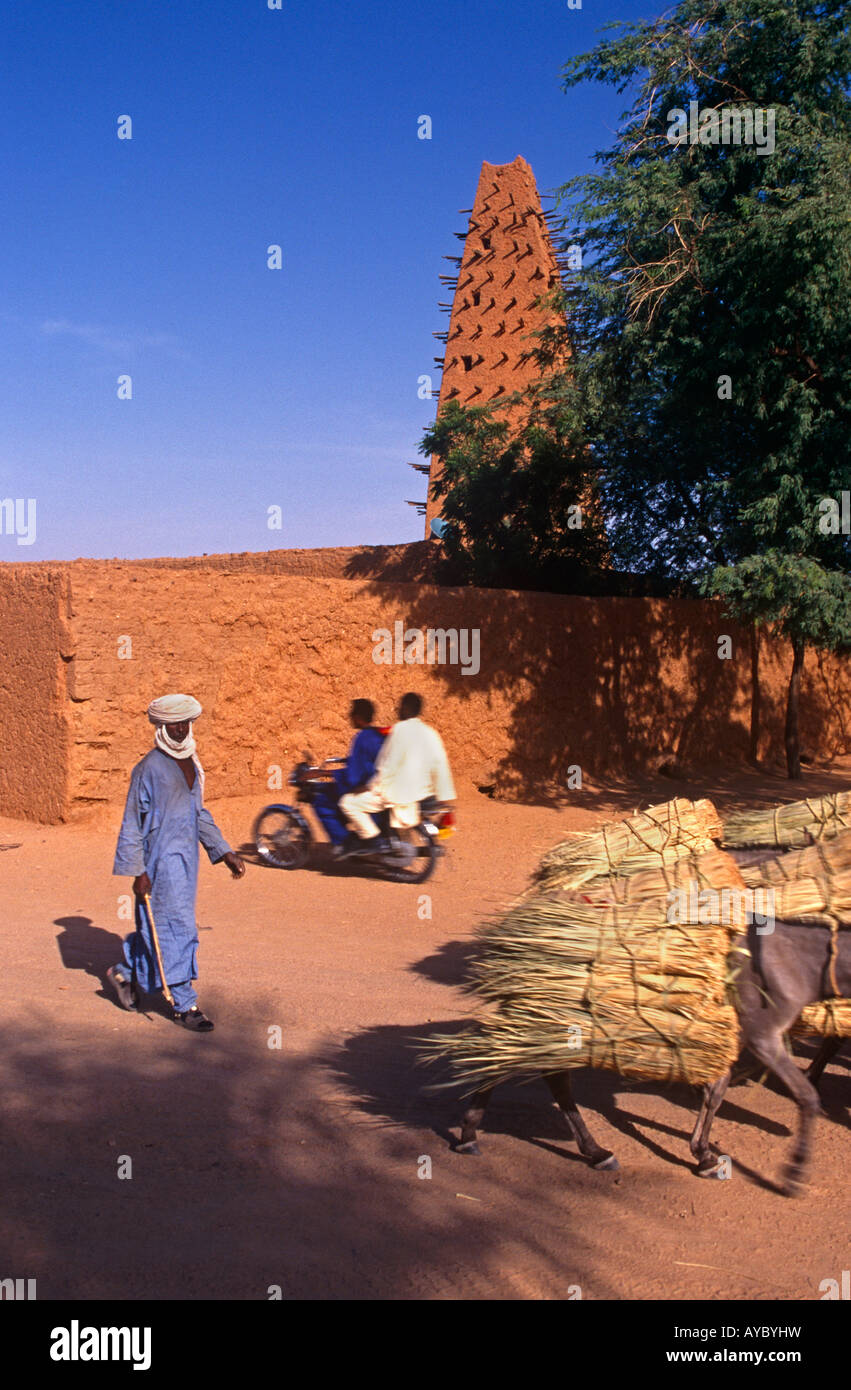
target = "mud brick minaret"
x: 507, y: 264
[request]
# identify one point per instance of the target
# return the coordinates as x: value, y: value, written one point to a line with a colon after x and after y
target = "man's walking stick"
x: 166, y: 991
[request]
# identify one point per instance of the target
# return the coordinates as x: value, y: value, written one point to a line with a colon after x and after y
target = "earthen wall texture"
x: 611, y: 686
x: 35, y: 716
x: 411, y: 561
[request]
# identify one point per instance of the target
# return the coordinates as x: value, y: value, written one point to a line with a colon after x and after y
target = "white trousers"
x: 358, y: 806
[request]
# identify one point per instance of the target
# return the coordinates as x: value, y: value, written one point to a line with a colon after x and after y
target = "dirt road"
x: 299, y: 1166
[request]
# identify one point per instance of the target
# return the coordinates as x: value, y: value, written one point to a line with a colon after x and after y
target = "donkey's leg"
x: 770, y: 1050
x: 559, y: 1084
x: 709, y: 1163
x: 472, y: 1120
x: 825, y: 1054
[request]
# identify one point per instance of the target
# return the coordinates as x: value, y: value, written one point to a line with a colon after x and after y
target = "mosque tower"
x: 508, y: 262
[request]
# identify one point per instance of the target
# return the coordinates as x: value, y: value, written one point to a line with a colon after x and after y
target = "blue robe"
x: 359, y: 769
x: 163, y: 824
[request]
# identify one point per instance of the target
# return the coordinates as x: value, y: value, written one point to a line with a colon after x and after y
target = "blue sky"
x: 251, y: 387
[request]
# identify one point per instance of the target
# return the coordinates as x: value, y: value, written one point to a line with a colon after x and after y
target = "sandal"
x: 123, y: 988
x: 194, y: 1020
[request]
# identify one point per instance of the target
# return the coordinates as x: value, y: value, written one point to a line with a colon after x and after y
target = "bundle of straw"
x: 713, y: 870
x: 826, y: 859
x: 817, y: 901
x: 574, y: 985
x: 796, y: 824
x: 647, y: 840
x: 829, y: 1018
x: 808, y: 885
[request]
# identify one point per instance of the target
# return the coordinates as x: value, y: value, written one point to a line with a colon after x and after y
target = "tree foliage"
x: 711, y: 261
x: 518, y: 506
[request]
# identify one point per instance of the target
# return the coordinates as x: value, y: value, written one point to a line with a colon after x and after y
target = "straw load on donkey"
x: 810, y: 885
x: 646, y: 950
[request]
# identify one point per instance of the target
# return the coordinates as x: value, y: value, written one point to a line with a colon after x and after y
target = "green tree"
x: 710, y: 377
x: 795, y: 598
x: 712, y: 368
x: 519, y: 509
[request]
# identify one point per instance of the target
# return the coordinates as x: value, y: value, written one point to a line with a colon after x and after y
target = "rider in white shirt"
x: 411, y: 766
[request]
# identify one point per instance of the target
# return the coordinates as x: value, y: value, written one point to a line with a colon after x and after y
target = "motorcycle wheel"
x: 282, y: 838
x: 416, y: 861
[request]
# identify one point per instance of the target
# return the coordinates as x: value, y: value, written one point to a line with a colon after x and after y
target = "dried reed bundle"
x: 659, y: 836
x: 575, y: 985
x: 825, y: 859
x: 794, y: 825
x: 808, y: 885
x: 712, y: 870
x: 818, y: 901
x: 829, y: 1018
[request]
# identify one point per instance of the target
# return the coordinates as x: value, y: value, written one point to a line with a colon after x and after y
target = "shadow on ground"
x: 244, y: 1174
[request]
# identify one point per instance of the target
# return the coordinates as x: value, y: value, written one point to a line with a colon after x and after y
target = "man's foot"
x: 123, y: 988
x: 194, y: 1020
x: 378, y: 844
x: 345, y: 848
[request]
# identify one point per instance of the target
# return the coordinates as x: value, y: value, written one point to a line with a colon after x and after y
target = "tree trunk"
x: 756, y: 695
x: 793, y: 742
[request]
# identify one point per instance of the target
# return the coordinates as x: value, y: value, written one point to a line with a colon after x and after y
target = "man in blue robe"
x: 357, y: 773
x: 164, y: 822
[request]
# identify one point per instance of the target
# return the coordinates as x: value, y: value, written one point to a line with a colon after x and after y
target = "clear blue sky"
x: 251, y: 126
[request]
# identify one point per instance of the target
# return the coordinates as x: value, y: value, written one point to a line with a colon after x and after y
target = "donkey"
x: 786, y: 970
x: 782, y: 971
x: 823, y: 1058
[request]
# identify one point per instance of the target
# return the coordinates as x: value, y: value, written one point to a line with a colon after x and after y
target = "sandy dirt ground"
x: 299, y: 1166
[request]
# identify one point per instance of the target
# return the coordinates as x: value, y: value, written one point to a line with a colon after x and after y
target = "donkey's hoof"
x: 609, y: 1164
x: 471, y: 1147
x: 712, y: 1167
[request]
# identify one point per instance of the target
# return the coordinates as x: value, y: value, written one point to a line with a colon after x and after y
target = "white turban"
x: 173, y: 709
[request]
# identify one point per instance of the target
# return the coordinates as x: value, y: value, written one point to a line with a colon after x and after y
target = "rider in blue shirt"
x: 358, y: 771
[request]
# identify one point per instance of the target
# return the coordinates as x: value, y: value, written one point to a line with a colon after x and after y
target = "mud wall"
x: 35, y: 644
x: 612, y: 686
x: 607, y: 685
x: 411, y: 562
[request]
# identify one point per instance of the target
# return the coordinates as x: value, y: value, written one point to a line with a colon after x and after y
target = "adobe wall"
x: 409, y: 562
x: 611, y: 685
x: 34, y: 711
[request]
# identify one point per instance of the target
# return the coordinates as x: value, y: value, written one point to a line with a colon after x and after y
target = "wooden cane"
x: 166, y: 991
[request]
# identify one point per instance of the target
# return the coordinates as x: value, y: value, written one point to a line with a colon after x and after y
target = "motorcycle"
x: 284, y: 838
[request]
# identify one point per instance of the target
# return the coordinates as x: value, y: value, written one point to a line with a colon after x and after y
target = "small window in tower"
x: 477, y: 295
x: 468, y: 363
x: 486, y: 243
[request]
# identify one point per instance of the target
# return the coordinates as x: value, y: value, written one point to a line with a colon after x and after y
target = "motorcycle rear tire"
x: 420, y: 874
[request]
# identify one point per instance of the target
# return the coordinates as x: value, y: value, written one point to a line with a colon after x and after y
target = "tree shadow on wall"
x: 584, y: 680
x: 416, y: 562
